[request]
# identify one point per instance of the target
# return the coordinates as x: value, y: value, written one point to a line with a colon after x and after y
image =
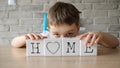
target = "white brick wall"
x: 106, y: 20
x: 3, y: 14
x: 20, y: 14
x: 30, y: 21
x: 21, y: 28
x: 24, y: 2
x: 27, y: 16
x: 93, y: 1
x: 83, y: 6
x: 113, y: 13
x: 4, y: 28
x: 9, y: 21
x: 104, y: 6
x: 94, y: 13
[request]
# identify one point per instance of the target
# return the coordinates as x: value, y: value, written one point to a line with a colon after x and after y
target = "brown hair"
x: 61, y: 13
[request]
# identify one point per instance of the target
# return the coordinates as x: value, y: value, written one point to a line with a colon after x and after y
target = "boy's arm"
x: 101, y: 38
x: 108, y: 40
x: 19, y: 41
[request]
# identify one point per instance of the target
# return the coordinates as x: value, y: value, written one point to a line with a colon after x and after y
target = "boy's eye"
x: 56, y: 35
x: 69, y: 34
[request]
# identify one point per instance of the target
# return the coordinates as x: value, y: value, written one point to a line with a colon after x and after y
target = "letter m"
x: 70, y: 47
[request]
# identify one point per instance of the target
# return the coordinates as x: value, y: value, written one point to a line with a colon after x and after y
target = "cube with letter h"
x: 59, y: 47
x: 34, y: 48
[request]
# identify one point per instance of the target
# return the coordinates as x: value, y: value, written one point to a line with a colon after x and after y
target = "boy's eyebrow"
x: 71, y: 30
x: 54, y: 32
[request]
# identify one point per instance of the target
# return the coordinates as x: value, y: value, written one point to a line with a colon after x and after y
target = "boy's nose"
x: 62, y: 36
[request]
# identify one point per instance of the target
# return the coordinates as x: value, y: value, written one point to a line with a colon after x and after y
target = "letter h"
x: 37, y: 48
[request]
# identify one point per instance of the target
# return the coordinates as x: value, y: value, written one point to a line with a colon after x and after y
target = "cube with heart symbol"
x: 52, y: 47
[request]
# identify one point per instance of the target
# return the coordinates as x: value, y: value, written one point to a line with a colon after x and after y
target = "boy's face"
x: 63, y: 30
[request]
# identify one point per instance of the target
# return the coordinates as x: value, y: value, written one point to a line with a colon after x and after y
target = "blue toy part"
x: 45, y: 25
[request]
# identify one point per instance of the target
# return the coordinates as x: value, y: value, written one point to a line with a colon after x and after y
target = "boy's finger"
x: 36, y: 36
x: 26, y: 37
x: 82, y: 36
x: 31, y: 36
x: 93, y: 40
x: 97, y: 40
x: 42, y: 37
x: 88, y: 39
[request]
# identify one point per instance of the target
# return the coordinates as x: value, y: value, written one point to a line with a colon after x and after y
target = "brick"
x: 52, y: 1
x: 22, y: 28
x: 8, y: 8
x: 24, y: 2
x: 37, y: 15
x: 113, y: 1
x: 40, y: 1
x: 119, y: 36
x: 119, y: 7
x: 47, y: 7
x: 30, y: 21
x: 93, y: 1
x: 3, y: 14
x: 113, y: 13
x: 77, y: 1
x: 71, y: 1
x: 3, y: 2
x: 114, y: 28
x: 94, y: 13
x: 96, y: 27
x: 8, y: 35
x: 2, y: 8
x: 9, y: 21
x: 36, y: 25
x: 4, y: 28
x: 119, y: 20
x: 37, y: 28
x: 31, y: 8
x: 105, y: 6
x: 20, y: 14
x: 106, y: 20
x: 84, y: 21
x: 84, y: 6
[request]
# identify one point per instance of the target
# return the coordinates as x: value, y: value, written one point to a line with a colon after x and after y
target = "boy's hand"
x: 91, y: 37
x: 34, y: 36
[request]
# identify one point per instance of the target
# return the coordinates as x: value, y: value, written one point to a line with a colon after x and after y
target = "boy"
x: 63, y: 21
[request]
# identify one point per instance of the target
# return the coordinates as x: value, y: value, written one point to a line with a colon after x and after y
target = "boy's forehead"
x: 62, y: 27
x: 62, y: 24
